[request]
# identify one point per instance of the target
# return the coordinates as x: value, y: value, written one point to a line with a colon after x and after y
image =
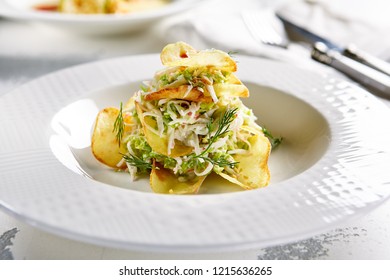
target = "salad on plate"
x: 187, y: 122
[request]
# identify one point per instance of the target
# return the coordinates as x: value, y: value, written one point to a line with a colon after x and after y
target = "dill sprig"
x: 275, y: 142
x: 141, y: 164
x: 119, y: 126
x: 221, y: 162
x: 223, y: 126
x: 232, y: 53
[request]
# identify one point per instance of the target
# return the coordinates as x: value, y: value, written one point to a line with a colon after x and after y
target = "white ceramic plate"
x: 91, y: 24
x: 332, y: 165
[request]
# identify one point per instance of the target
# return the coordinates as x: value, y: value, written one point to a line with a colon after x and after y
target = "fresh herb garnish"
x: 223, y: 126
x: 187, y: 75
x: 141, y: 164
x: 221, y: 162
x: 144, y: 88
x: 232, y: 53
x: 275, y: 142
x: 119, y: 126
x: 164, y: 79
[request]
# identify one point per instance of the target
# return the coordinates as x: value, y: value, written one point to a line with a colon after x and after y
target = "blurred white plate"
x: 332, y: 165
x: 91, y: 24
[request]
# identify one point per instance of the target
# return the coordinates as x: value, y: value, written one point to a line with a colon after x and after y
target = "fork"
x: 265, y: 27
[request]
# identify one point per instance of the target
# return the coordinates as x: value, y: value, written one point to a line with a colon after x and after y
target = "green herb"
x: 197, y: 83
x: 232, y: 53
x: 141, y: 164
x: 169, y: 162
x: 220, y: 77
x: 164, y: 79
x: 242, y: 145
x: 210, y: 126
x: 275, y: 142
x: 192, y: 79
x: 187, y: 75
x: 119, y: 126
x: 144, y: 88
x: 205, y: 107
x: 223, y: 126
x: 221, y: 162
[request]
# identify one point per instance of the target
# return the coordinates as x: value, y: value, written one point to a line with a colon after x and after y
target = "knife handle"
x: 369, y: 77
x: 363, y: 57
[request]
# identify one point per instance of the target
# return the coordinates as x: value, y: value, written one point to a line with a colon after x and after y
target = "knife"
x: 357, y: 64
x: 350, y: 51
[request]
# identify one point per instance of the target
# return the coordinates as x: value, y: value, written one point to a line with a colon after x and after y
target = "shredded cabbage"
x: 191, y: 123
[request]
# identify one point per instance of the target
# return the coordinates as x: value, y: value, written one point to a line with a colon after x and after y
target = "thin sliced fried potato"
x: 164, y: 181
x: 207, y: 58
x: 180, y: 92
x: 176, y: 51
x: 104, y: 143
x: 158, y: 143
x: 129, y: 104
x: 252, y: 129
x: 232, y: 79
x: 231, y: 90
x: 233, y: 180
x: 252, y: 170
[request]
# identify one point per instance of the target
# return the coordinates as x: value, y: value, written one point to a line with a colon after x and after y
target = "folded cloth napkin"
x: 219, y: 24
x: 215, y: 24
x: 363, y: 23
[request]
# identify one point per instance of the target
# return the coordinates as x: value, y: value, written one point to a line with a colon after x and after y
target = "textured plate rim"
x: 384, y: 194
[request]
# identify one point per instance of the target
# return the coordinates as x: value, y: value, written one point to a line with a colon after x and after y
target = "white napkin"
x: 219, y: 24
x: 363, y: 23
x: 215, y: 24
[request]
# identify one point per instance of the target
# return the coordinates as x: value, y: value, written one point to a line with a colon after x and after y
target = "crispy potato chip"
x: 232, y: 79
x: 205, y: 58
x: 164, y: 181
x: 176, y: 51
x: 158, y: 143
x: 104, y: 144
x: 232, y: 180
x: 181, y: 92
x: 252, y: 129
x: 252, y: 170
x: 231, y: 90
x: 129, y: 104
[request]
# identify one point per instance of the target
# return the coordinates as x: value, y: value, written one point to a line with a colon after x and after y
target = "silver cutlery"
x: 374, y: 80
x: 269, y: 28
x: 265, y: 28
x: 350, y: 51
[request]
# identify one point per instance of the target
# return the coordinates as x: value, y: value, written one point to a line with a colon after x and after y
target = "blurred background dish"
x: 41, y: 11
